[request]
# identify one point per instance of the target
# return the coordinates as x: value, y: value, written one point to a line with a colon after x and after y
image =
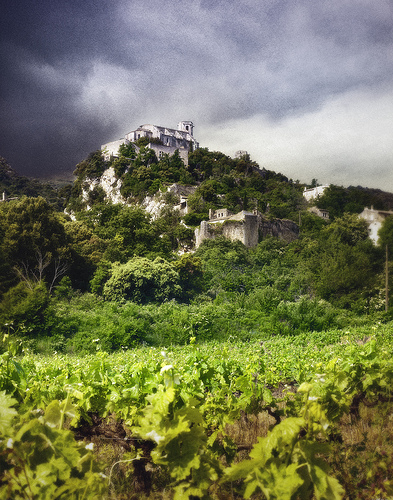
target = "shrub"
x: 305, y: 315
x: 24, y: 307
x: 142, y: 280
x: 86, y: 324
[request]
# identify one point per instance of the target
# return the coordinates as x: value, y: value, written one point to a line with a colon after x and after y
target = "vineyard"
x: 136, y: 364
x: 278, y: 417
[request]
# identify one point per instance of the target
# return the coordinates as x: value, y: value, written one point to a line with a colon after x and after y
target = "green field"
x: 266, y: 418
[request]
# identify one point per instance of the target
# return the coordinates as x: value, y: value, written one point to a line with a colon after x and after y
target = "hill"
x: 14, y: 185
x: 217, y: 181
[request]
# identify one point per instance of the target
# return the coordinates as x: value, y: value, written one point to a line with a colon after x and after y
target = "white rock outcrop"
x: 152, y: 204
x: 109, y: 183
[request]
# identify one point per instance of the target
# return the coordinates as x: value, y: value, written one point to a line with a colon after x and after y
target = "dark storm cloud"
x: 78, y: 74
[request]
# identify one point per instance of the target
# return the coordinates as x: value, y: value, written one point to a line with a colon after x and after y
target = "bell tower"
x: 186, y: 126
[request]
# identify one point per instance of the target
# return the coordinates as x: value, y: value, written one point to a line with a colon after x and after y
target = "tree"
x: 127, y: 150
x: 334, y: 199
x: 142, y: 280
x: 23, y: 308
x: 92, y: 167
x: 385, y: 233
x: 34, y: 241
x: 348, y: 229
x: 345, y: 264
x: 225, y: 263
x: 190, y: 272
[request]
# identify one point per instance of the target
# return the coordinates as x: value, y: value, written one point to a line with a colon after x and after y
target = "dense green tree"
x: 173, y: 233
x: 334, y: 199
x: 127, y: 150
x: 348, y: 229
x: 311, y: 224
x: 226, y: 265
x: 7, y: 276
x: 346, y: 276
x: 22, y: 309
x: 34, y: 241
x: 142, y: 280
x: 338, y: 200
x: 92, y: 167
x: 190, y: 272
x: 344, y: 263
x: 125, y: 231
x: 87, y: 250
x: 385, y: 234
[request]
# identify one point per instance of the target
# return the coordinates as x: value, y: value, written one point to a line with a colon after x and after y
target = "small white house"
x: 312, y: 193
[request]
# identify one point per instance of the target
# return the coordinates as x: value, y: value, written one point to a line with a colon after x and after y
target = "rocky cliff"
x: 111, y: 187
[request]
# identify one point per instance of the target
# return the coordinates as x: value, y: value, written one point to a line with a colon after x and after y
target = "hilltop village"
x: 245, y: 226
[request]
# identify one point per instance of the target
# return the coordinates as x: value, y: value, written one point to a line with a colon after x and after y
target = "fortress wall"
x: 235, y: 230
x: 284, y: 229
x: 202, y: 233
x: 251, y: 231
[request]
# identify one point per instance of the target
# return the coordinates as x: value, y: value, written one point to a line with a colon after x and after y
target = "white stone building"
x: 312, y: 193
x: 181, y: 138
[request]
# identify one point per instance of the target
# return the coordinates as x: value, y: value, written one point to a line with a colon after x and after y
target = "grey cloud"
x: 77, y: 74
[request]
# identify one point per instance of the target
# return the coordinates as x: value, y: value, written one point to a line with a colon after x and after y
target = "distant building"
x: 181, y: 138
x: 374, y: 219
x: 247, y: 227
x: 312, y: 193
x: 4, y: 197
x: 243, y: 226
x: 320, y: 212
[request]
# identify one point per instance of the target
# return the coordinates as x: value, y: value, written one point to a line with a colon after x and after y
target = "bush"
x: 24, y: 307
x: 86, y: 324
x: 304, y: 315
x: 141, y: 280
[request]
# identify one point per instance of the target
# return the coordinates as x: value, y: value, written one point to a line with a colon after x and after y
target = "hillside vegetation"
x: 132, y: 369
x: 14, y: 185
x: 118, y: 254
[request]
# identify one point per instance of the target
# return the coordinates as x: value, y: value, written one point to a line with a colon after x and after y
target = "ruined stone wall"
x: 235, y: 230
x: 203, y: 232
x: 283, y: 229
x: 245, y: 230
x: 249, y: 230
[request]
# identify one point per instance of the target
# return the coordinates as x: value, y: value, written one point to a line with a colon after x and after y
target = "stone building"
x: 320, y: 212
x: 247, y: 227
x: 374, y: 219
x: 181, y: 138
x: 312, y: 193
x: 242, y: 226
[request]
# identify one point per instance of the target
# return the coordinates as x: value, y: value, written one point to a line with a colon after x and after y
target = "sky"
x: 304, y: 86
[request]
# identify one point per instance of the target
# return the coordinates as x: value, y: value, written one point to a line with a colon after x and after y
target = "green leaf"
x: 7, y: 413
x: 53, y: 414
